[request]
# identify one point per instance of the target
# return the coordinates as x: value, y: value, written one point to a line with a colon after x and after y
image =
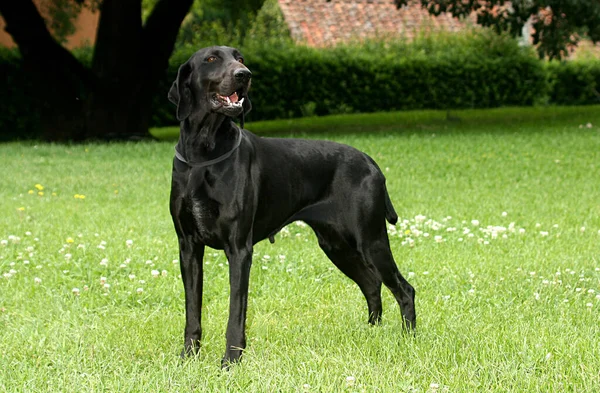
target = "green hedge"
x: 474, y: 70
x: 574, y: 83
x: 19, y: 115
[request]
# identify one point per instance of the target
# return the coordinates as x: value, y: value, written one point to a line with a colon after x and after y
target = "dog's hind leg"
x: 351, y: 264
x: 378, y: 253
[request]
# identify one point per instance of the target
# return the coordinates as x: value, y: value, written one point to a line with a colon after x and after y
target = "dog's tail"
x: 390, y: 214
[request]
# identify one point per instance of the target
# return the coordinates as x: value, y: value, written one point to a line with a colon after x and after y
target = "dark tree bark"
x: 112, y: 100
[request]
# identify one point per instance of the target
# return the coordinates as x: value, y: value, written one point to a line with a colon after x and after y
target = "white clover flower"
x: 577, y: 289
x: 75, y: 291
x: 475, y: 223
x: 438, y: 239
x: 175, y: 261
x: 582, y: 229
x: 504, y: 214
x: 589, y: 305
x: 85, y: 288
x: 544, y: 233
x: 104, y: 262
x: 425, y: 273
x: 350, y: 380
x: 419, y: 218
x: 68, y: 256
x: 129, y: 242
x: 3, y: 242
x: 122, y: 266
x: 164, y: 273
x: 446, y: 297
x: 264, y: 267
x: 132, y: 276
x: 411, y: 274
x: 102, y: 280
x: 139, y: 290
x: 434, y: 386
x: 155, y: 273
x: 537, y: 296
x: 142, y: 282
x: 37, y: 280
x: 266, y: 257
x: 106, y: 286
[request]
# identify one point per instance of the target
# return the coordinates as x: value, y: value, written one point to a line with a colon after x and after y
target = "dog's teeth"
x: 241, y: 101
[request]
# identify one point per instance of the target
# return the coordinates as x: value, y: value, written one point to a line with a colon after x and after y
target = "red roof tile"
x: 323, y: 23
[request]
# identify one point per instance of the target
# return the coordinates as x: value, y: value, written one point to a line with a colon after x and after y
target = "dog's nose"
x: 242, y: 75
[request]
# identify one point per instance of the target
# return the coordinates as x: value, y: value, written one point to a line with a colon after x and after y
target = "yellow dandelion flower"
x: 407, y: 232
x: 79, y: 196
x: 53, y: 194
x: 39, y: 187
x: 40, y: 193
x: 30, y: 192
x: 70, y: 240
x: 21, y: 209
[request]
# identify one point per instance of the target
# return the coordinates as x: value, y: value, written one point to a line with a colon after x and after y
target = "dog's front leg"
x: 240, y: 260
x: 191, y: 253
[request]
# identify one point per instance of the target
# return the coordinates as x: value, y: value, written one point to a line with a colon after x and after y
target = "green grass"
x: 499, y: 311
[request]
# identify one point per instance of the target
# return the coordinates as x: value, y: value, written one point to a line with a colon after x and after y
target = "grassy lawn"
x: 499, y: 234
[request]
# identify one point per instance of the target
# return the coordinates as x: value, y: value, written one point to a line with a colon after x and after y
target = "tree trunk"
x: 112, y: 100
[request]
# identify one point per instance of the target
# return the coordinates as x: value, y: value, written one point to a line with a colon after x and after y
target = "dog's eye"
x: 241, y: 60
x: 211, y: 59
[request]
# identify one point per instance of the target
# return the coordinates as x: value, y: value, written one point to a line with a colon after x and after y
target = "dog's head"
x: 214, y: 79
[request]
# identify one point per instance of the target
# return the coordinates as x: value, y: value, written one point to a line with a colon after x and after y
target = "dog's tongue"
x: 233, y: 98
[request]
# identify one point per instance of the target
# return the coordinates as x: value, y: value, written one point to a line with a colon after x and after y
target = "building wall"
x: 85, y: 29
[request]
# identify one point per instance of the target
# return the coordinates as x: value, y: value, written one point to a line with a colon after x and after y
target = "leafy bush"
x: 473, y: 70
x: 443, y: 71
x: 19, y: 114
x: 574, y: 83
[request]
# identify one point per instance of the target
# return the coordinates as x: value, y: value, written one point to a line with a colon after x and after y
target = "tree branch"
x: 161, y: 29
x: 38, y: 49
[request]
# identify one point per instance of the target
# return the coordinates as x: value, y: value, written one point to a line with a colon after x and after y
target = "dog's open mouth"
x: 232, y: 101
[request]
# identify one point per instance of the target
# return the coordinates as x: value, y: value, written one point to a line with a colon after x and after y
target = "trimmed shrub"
x: 474, y: 70
x: 574, y: 83
x: 444, y: 71
x: 19, y: 114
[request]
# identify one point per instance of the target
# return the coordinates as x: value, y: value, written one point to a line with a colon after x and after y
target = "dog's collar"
x: 213, y: 161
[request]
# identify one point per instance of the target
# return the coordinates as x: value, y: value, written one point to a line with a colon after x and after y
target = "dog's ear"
x: 180, y: 93
x: 247, y: 106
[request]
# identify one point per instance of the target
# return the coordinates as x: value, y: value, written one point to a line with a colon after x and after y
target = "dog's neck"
x: 207, y: 138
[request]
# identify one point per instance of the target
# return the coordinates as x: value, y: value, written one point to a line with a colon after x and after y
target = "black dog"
x: 232, y: 189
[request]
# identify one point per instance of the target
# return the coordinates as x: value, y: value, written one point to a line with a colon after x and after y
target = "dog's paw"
x: 190, y: 349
